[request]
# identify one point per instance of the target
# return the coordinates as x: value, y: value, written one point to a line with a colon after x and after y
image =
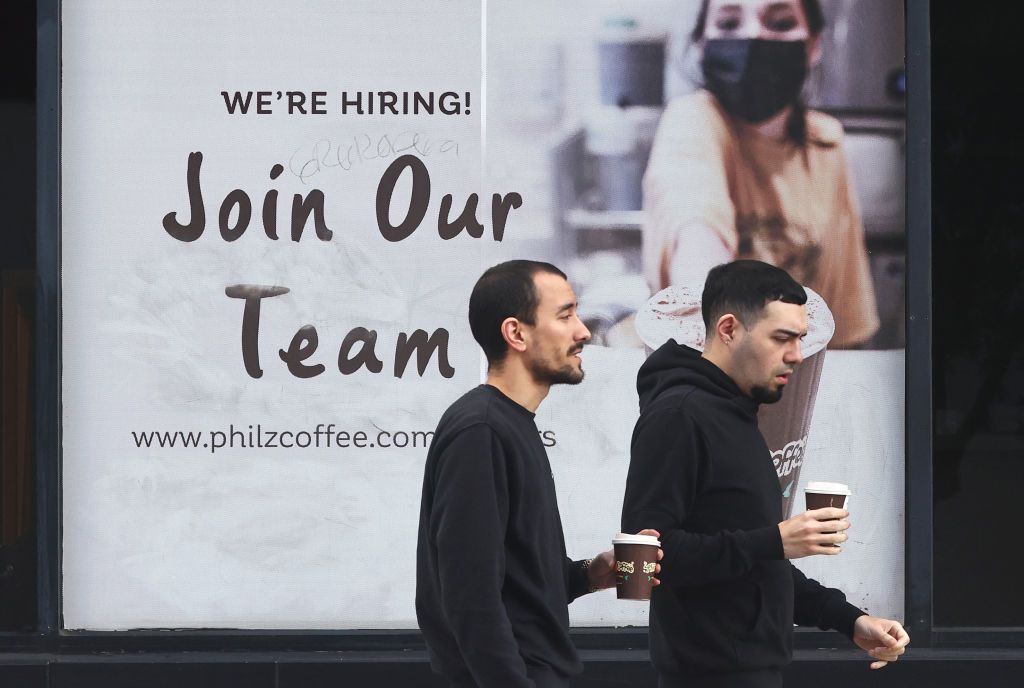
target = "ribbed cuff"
x: 579, y: 584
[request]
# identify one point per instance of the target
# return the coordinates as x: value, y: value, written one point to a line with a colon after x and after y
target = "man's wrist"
x: 586, y: 575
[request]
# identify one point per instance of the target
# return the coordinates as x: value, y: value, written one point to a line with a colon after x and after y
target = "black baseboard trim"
x: 836, y: 668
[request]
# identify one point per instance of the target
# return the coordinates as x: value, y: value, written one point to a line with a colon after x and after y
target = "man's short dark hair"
x: 744, y: 288
x: 504, y: 291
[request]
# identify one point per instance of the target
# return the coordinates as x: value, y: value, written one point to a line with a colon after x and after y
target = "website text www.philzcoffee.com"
x: 323, y: 436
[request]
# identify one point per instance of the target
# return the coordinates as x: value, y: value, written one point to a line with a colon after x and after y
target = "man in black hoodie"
x: 701, y: 473
x: 493, y: 582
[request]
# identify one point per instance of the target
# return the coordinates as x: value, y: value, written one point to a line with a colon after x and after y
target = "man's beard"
x: 545, y: 374
x: 765, y: 395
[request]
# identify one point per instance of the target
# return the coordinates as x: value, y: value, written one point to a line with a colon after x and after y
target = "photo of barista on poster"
x: 695, y: 132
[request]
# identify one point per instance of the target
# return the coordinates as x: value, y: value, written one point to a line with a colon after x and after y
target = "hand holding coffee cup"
x: 636, y: 564
x: 816, y: 531
x: 821, y: 495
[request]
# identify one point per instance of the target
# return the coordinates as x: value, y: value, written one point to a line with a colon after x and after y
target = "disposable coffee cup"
x: 636, y: 558
x: 675, y: 313
x: 821, y: 495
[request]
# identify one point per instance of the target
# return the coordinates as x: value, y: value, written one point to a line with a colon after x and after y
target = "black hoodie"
x: 701, y: 474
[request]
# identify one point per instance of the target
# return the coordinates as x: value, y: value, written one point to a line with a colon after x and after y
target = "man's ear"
x: 728, y: 328
x: 512, y: 333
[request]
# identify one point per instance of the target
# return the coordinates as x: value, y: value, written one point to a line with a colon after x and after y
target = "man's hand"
x: 601, y: 572
x: 813, y: 532
x: 883, y: 639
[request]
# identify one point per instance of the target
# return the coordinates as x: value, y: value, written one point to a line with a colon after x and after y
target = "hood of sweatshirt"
x: 673, y: 366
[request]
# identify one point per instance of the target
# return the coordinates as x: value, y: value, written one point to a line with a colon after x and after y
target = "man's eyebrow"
x: 567, y: 307
x: 791, y: 333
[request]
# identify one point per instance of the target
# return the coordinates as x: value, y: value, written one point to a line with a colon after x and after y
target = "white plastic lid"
x: 827, y: 488
x: 675, y: 313
x: 627, y: 539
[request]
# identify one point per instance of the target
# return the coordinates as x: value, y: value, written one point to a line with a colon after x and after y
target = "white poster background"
x: 308, y: 538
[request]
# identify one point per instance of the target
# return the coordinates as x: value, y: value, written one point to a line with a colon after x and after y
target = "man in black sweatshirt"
x: 493, y: 582
x: 701, y: 473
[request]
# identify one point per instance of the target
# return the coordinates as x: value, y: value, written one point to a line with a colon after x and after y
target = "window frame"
x: 51, y: 637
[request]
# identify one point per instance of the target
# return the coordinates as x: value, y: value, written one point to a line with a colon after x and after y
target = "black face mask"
x: 754, y: 79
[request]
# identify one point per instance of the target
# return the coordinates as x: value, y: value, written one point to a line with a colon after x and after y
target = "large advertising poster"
x: 272, y: 218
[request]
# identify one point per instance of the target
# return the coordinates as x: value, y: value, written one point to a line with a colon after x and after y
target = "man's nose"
x: 582, y: 334
x: 795, y: 355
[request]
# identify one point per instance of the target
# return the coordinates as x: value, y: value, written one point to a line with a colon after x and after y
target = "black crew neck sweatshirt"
x: 701, y: 473
x: 493, y: 582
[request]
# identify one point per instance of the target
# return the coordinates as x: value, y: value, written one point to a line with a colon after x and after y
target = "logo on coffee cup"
x: 625, y: 566
x: 789, y: 458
